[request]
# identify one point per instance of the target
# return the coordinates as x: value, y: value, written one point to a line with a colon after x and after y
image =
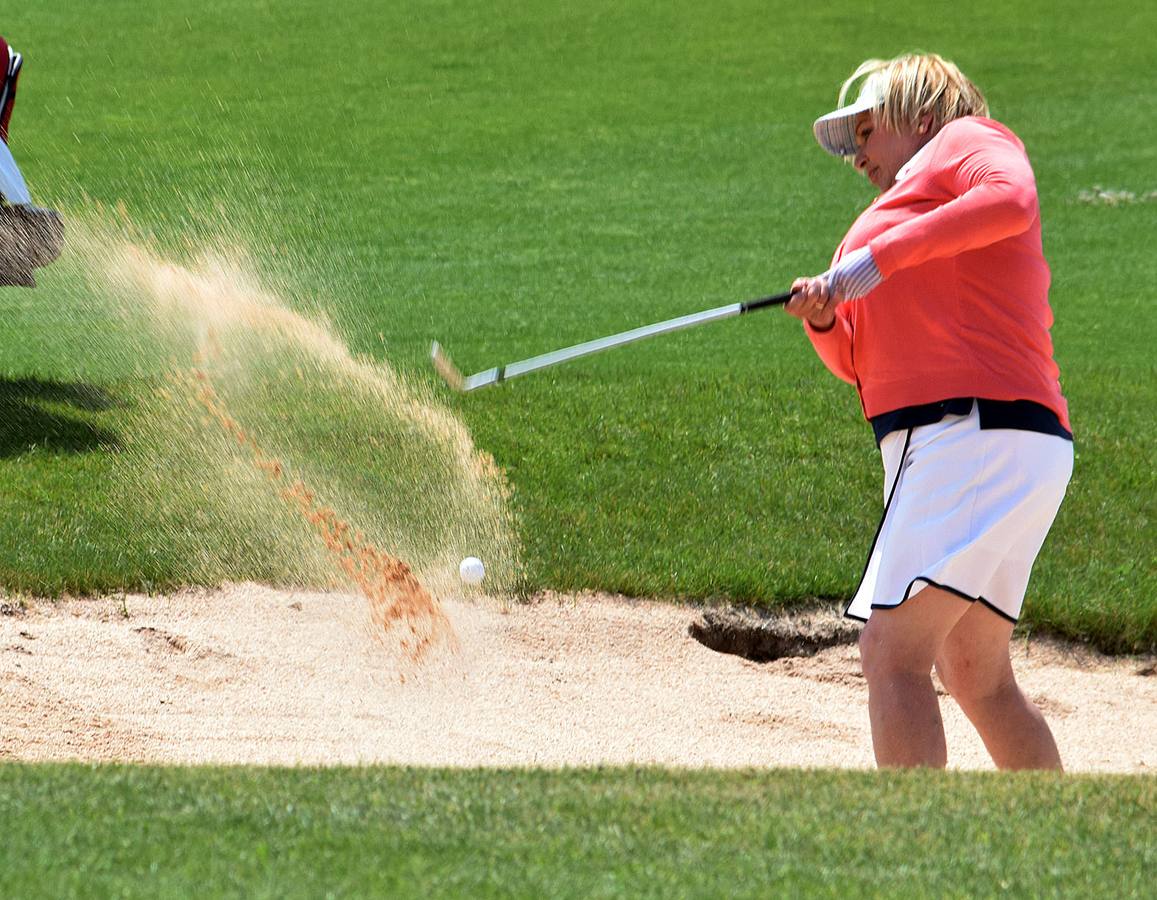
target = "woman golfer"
x: 936, y: 309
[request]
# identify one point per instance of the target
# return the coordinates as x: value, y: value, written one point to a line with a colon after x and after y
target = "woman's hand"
x: 812, y: 300
x: 854, y: 276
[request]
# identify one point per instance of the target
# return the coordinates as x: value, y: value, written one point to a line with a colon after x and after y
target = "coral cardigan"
x: 963, y: 310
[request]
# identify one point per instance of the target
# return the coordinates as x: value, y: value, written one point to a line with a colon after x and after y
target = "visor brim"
x: 836, y: 132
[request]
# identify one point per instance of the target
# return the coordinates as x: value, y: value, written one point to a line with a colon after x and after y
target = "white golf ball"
x: 471, y: 570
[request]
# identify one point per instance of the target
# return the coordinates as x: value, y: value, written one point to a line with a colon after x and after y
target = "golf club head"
x: 447, y: 369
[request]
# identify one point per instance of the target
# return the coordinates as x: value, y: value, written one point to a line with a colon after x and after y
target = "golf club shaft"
x: 554, y: 358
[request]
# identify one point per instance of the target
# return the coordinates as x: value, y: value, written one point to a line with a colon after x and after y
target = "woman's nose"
x: 861, y: 160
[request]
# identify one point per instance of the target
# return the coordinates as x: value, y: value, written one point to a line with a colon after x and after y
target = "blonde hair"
x: 915, y: 84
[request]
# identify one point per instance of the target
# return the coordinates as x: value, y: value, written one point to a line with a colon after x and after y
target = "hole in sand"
x: 155, y: 638
x: 761, y: 637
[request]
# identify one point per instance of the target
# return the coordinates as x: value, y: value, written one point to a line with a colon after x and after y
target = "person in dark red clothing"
x: 936, y: 308
x: 30, y: 237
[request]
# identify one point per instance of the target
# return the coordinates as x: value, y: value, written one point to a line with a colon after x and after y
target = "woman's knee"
x: 972, y: 674
x: 906, y: 639
x: 973, y: 663
x: 886, y: 652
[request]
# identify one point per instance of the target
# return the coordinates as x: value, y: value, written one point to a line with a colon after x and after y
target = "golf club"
x: 464, y: 384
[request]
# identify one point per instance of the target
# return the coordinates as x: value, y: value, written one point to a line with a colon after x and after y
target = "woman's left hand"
x: 812, y: 301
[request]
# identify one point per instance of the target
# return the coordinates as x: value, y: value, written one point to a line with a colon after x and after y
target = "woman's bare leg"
x: 975, y: 668
x: 897, y: 649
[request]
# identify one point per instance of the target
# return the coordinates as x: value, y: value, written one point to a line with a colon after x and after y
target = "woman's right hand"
x: 812, y: 301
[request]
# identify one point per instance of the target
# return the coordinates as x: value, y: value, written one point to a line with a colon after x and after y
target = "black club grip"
x: 776, y: 300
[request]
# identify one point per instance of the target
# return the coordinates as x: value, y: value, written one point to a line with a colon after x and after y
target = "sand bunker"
x: 251, y: 675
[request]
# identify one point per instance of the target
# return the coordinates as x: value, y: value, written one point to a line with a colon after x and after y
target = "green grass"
x: 513, y: 178
x: 580, y: 833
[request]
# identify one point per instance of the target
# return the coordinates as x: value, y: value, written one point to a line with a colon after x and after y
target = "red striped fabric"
x: 10, y: 64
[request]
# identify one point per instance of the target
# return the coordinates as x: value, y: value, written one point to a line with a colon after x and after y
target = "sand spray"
x: 339, y: 439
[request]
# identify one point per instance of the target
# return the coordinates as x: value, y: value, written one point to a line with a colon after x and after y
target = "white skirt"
x: 965, y: 510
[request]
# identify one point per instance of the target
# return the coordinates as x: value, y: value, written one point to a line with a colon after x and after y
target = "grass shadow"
x: 38, y: 414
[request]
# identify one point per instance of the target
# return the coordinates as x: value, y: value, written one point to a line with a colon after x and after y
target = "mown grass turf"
x: 112, y: 831
x: 510, y: 179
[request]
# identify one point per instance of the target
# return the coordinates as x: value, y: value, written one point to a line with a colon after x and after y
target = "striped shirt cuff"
x: 854, y: 276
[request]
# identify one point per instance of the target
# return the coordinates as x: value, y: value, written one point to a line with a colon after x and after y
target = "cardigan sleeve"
x: 986, y: 170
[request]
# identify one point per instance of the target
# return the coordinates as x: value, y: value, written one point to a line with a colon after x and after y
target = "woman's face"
x: 882, y: 152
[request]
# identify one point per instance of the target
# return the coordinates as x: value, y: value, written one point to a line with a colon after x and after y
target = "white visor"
x: 836, y: 131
